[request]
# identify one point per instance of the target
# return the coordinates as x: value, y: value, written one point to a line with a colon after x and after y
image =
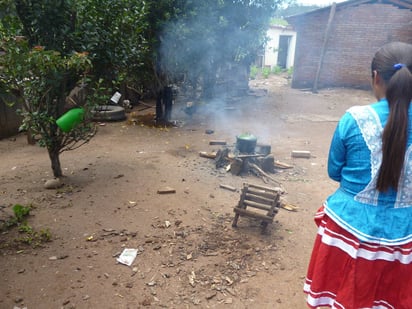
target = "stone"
x: 54, y: 183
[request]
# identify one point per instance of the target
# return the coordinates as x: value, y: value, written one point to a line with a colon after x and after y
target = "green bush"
x: 265, y: 72
x: 290, y: 71
x: 276, y: 70
x: 254, y: 70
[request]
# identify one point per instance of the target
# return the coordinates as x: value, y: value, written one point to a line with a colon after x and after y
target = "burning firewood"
x: 222, y: 158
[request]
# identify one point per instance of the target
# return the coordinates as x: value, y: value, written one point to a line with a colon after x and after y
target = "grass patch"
x: 26, y: 234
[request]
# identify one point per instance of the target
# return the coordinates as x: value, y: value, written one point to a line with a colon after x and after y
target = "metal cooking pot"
x: 246, y: 143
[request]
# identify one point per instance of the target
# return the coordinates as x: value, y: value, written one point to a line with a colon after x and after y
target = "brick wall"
x: 356, y: 32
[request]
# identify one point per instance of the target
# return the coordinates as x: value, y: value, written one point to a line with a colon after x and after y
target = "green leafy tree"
x: 114, y: 34
x: 39, y: 67
x: 210, y: 37
x: 49, y: 23
x: 291, y: 7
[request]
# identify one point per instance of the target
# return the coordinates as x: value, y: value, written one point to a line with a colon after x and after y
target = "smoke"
x: 208, y: 52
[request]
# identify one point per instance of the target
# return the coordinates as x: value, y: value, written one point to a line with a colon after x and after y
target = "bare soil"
x: 189, y: 255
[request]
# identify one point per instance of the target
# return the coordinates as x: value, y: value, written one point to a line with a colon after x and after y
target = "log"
x: 263, y: 173
x: 221, y: 159
x: 250, y: 156
x: 257, y: 205
x: 300, y: 154
x: 264, y: 188
x: 259, y: 198
x: 279, y: 164
x: 324, y: 47
x: 209, y: 155
x: 166, y: 190
x: 217, y: 142
x: 227, y: 187
x: 248, y: 213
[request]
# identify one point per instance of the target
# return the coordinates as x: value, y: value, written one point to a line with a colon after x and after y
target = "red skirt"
x: 345, y: 273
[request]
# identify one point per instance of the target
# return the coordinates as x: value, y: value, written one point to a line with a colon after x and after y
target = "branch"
x: 263, y: 173
x: 72, y: 143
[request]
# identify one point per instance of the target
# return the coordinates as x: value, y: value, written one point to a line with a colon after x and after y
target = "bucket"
x: 70, y: 119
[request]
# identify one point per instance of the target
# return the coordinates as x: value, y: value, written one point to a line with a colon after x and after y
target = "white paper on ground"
x: 127, y: 257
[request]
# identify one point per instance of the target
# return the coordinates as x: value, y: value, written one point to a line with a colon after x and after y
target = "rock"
x: 18, y: 299
x: 54, y: 183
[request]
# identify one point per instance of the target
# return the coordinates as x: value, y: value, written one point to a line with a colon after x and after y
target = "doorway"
x: 284, y: 43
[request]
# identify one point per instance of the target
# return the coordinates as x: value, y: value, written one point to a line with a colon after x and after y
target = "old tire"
x: 109, y: 113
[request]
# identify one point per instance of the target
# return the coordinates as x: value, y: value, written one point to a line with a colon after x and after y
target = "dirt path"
x: 188, y: 253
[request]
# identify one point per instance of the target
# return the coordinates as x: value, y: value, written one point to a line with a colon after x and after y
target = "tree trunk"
x: 168, y: 102
x: 30, y: 138
x: 159, y: 106
x: 55, y: 162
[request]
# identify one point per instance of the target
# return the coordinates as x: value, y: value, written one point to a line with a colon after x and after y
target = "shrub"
x: 254, y: 70
x: 265, y: 72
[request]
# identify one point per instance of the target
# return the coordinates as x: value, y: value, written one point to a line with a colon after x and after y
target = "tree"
x: 41, y: 76
x: 123, y: 44
x: 291, y: 7
x: 114, y: 34
x: 210, y: 36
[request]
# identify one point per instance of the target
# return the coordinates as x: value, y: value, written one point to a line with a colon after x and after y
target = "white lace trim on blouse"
x: 371, y: 128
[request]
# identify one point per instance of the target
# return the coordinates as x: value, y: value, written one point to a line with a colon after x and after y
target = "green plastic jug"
x: 70, y: 119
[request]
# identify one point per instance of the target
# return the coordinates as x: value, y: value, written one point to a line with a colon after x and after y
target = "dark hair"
x: 393, y: 62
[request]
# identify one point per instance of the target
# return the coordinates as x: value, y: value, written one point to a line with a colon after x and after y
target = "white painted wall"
x: 272, y: 46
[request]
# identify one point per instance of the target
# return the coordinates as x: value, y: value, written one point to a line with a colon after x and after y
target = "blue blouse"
x: 355, y: 156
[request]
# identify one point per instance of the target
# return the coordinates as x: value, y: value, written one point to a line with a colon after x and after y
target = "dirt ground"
x: 189, y: 255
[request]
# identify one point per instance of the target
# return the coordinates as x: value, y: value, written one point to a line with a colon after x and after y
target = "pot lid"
x: 247, y: 136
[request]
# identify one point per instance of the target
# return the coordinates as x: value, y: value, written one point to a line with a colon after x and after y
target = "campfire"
x: 247, y: 156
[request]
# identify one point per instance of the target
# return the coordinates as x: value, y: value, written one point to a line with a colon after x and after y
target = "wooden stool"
x: 257, y: 197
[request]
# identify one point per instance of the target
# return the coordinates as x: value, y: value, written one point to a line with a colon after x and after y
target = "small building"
x: 280, y: 47
x: 335, y: 44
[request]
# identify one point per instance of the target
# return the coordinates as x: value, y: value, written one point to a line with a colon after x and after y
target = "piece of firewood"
x: 300, y: 154
x: 227, y: 187
x: 289, y: 207
x: 166, y: 190
x: 250, y: 156
x: 209, y: 155
x: 279, y: 164
x: 263, y: 173
x: 217, y: 142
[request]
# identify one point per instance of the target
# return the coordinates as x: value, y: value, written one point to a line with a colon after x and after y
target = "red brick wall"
x: 356, y: 32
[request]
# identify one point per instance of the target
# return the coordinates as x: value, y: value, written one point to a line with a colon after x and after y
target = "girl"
x: 362, y: 256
